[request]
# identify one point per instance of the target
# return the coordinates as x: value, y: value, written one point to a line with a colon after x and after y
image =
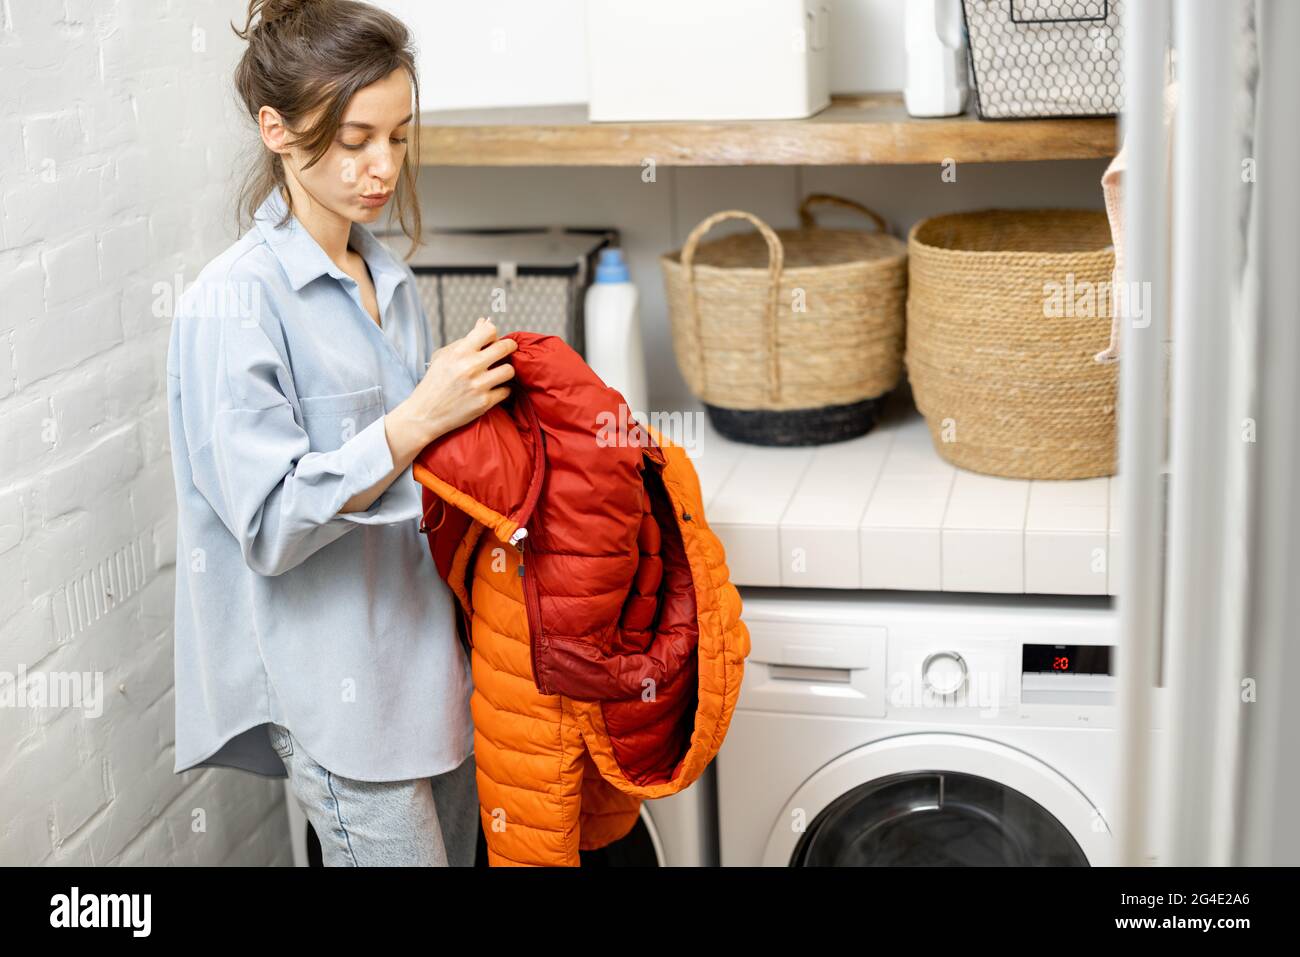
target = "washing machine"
x: 879, y: 729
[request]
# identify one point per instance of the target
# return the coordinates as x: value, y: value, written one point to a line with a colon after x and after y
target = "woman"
x: 313, y: 634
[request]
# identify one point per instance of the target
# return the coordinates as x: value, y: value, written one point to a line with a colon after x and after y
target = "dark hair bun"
x: 269, y: 11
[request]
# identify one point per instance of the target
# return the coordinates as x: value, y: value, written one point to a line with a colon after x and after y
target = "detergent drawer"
x: 815, y: 668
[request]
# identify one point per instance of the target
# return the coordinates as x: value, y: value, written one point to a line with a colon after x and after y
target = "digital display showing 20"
x: 1067, y: 659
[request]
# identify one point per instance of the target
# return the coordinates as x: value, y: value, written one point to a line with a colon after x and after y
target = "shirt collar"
x: 303, y: 260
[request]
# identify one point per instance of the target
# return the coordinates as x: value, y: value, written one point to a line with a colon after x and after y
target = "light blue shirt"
x: 337, y: 626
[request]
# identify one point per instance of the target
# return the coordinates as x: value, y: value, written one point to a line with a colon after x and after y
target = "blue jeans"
x: 426, y: 822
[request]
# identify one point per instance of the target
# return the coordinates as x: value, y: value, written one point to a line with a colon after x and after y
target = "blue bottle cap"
x: 611, y: 267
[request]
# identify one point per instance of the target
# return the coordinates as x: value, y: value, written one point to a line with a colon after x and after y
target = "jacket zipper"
x: 532, y: 602
x: 532, y: 606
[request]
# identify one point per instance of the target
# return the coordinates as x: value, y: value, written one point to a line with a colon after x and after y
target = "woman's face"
x: 357, y: 175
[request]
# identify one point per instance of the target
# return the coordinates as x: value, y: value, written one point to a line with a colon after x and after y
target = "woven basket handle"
x: 826, y: 199
x: 775, y: 264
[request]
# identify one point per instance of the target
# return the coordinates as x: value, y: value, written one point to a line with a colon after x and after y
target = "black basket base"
x: 795, y: 427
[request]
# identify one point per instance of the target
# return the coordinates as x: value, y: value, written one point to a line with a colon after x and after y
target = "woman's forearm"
x: 407, y: 437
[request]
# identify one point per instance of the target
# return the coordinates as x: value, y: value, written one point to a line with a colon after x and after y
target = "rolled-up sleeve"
x: 251, y: 459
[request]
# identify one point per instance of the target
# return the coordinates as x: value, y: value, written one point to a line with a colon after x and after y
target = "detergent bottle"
x: 613, y: 332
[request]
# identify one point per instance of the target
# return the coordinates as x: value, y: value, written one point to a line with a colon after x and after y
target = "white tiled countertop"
x: 884, y: 511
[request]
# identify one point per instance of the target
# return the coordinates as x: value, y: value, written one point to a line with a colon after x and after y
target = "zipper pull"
x: 517, y: 540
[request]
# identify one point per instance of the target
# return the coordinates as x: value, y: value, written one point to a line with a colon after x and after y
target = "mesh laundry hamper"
x: 1046, y: 57
x: 531, y: 280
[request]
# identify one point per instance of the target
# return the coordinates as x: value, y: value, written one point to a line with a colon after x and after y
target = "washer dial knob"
x: 944, y: 672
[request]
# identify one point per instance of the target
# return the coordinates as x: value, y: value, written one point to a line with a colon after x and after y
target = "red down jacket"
x: 604, y: 632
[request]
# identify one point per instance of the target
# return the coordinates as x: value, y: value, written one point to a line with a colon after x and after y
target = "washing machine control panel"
x: 939, y: 661
x: 1071, y: 675
x: 1000, y: 679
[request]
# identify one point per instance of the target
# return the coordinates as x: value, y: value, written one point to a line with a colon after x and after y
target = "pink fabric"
x: 1112, y: 185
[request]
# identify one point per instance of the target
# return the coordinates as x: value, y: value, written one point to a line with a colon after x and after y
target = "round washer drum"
x: 936, y: 818
x: 938, y: 798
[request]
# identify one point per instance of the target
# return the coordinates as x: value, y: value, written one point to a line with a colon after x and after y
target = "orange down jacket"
x: 605, y: 636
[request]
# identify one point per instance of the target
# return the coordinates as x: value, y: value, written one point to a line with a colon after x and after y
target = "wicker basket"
x: 789, y: 337
x: 1001, y: 334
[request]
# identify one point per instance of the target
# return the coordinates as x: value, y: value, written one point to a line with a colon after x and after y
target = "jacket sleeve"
x: 251, y: 459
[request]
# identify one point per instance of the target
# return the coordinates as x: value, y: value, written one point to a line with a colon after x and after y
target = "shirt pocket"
x: 331, y: 420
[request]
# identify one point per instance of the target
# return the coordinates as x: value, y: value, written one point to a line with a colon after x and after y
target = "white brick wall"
x: 119, y: 144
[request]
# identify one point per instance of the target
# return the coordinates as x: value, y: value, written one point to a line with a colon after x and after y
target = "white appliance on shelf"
x: 889, y: 729
x: 720, y: 60
x: 936, y: 58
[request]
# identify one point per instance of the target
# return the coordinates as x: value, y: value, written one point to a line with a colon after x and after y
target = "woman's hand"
x: 457, y: 388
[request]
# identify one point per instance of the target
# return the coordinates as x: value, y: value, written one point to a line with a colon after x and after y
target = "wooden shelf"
x: 872, y: 129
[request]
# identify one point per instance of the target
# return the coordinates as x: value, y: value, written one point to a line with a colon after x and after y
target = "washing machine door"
x: 938, y: 799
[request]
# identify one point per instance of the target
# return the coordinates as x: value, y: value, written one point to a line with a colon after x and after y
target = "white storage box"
x: 708, y: 59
